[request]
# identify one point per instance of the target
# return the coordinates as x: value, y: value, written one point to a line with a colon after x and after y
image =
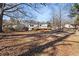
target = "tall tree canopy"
x: 75, y: 12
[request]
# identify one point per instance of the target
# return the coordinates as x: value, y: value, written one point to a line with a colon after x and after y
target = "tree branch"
x: 12, y: 7
x: 10, y: 16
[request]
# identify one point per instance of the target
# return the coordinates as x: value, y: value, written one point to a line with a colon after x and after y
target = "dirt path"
x: 69, y: 47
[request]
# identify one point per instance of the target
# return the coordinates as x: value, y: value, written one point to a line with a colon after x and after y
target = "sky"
x: 46, y: 12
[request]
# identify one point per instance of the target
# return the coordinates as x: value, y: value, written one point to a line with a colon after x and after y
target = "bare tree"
x: 14, y: 10
x: 1, y: 15
x: 59, y: 19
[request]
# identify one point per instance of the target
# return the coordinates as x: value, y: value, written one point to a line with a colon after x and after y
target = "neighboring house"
x: 38, y: 26
x: 69, y: 26
x: 34, y: 25
x: 25, y: 25
x: 29, y: 24
x: 43, y: 26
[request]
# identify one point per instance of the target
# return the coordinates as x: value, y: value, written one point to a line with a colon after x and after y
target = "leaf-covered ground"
x: 46, y: 43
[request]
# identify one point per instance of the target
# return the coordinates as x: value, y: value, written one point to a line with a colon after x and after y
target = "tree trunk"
x: 0, y: 23
x: 1, y: 16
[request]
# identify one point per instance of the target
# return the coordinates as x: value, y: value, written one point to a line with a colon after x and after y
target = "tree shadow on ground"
x: 29, y: 35
x: 40, y: 48
x: 71, y: 41
x: 21, y: 36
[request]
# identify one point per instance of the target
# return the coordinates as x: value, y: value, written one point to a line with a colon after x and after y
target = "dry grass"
x: 15, y: 45
x: 69, y: 50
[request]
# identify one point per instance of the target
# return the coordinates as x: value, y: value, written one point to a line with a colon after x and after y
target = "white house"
x: 31, y: 25
x: 43, y: 26
x: 69, y: 26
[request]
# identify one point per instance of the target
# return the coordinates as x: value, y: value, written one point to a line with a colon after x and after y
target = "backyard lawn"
x: 32, y: 43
